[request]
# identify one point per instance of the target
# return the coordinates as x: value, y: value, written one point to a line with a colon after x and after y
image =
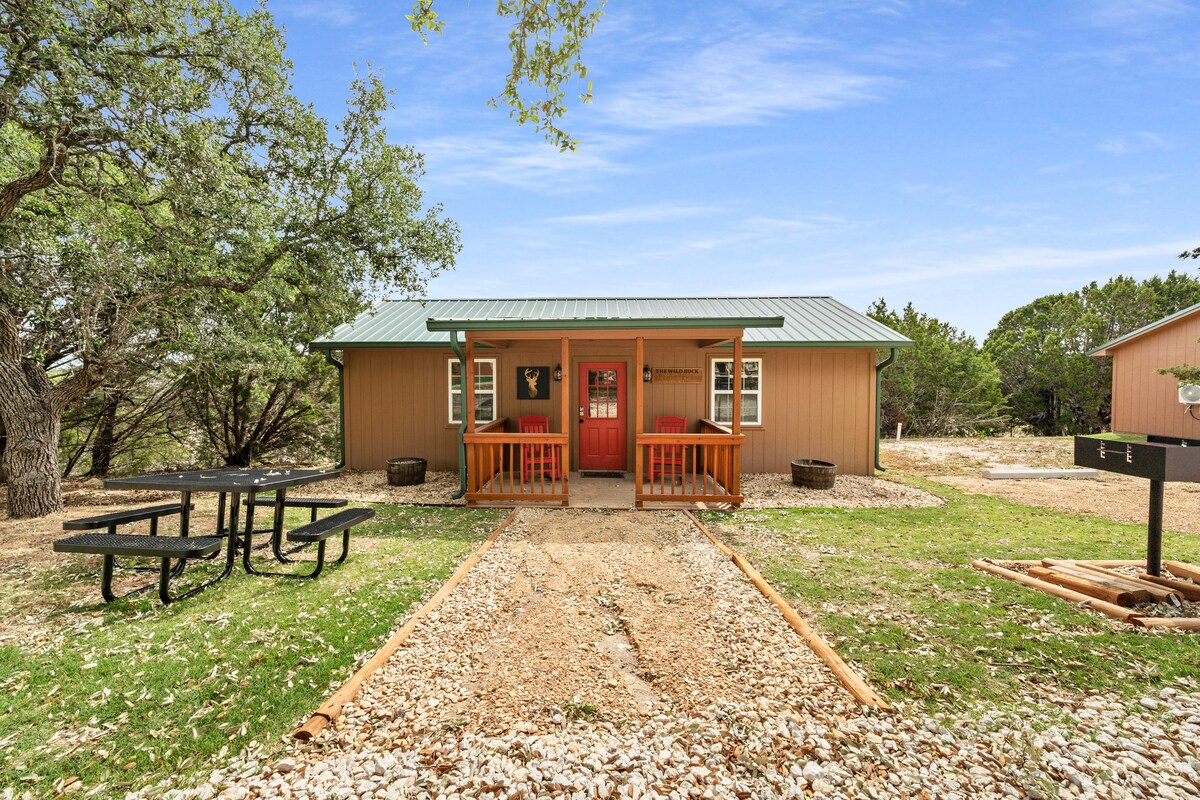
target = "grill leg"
x: 1154, y: 529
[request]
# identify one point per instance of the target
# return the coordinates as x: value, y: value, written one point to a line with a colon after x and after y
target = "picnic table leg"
x: 248, y: 541
x: 164, y: 582
x: 235, y: 500
x: 165, y: 575
x: 277, y: 528
x: 185, y: 524
x: 106, y: 576
x: 221, y: 514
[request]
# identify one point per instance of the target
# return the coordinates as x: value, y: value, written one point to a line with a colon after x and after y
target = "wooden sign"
x: 688, y: 375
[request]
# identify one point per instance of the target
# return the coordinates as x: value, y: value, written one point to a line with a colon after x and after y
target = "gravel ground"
x: 761, y: 491
x: 593, y: 655
x: 849, y: 491
x: 960, y: 463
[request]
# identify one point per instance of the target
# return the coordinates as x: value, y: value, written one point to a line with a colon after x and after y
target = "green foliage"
x: 944, y: 386
x: 248, y: 381
x: 1184, y: 373
x: 546, y: 45
x: 1052, y: 384
x: 129, y: 694
x: 156, y: 162
x: 896, y: 590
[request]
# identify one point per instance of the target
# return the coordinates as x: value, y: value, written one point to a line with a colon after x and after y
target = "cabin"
x: 1143, y: 401
x: 682, y: 395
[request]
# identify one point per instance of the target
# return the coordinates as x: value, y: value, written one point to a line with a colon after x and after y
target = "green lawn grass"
x: 127, y: 694
x: 894, y: 591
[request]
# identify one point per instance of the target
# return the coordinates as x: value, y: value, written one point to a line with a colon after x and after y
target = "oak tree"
x: 154, y: 154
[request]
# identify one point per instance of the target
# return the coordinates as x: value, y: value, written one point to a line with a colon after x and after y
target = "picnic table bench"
x: 317, y: 531
x: 115, y: 518
x: 111, y: 545
x: 312, y: 503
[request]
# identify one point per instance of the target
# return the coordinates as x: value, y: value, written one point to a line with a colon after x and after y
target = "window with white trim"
x: 485, y: 390
x: 722, y: 390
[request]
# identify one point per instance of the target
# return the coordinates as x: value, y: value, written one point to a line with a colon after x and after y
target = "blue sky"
x: 966, y: 156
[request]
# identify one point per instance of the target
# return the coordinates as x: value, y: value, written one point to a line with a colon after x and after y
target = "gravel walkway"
x: 594, y: 655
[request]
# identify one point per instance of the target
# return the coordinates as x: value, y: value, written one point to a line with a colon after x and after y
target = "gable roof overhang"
x: 1178, y: 316
x: 767, y: 322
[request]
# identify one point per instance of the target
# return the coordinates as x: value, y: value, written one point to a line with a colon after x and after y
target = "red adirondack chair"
x: 537, y: 458
x: 667, y: 459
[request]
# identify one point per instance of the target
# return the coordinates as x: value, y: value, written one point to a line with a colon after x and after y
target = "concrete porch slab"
x: 1028, y: 473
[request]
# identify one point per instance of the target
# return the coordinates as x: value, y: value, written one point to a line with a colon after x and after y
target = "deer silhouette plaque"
x: 533, y: 383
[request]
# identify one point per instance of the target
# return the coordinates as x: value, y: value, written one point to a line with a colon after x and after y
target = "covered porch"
x: 562, y: 464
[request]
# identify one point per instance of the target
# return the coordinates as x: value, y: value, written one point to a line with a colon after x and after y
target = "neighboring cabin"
x: 808, y: 367
x: 1143, y: 401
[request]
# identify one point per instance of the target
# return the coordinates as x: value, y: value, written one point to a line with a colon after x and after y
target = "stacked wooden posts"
x: 1114, y: 593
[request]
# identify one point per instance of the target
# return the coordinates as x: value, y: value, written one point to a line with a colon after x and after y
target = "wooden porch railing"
x: 496, y: 467
x: 711, y: 471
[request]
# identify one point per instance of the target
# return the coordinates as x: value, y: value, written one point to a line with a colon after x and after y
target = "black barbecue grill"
x: 1158, y: 461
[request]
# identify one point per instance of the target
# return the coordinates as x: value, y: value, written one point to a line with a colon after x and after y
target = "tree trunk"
x: 106, y: 441
x: 31, y: 455
x: 241, y: 457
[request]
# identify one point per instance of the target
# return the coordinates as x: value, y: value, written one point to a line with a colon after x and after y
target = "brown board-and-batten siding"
x: 817, y: 402
x: 1144, y: 401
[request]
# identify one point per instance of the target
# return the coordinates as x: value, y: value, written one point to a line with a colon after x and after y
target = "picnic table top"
x: 223, y: 480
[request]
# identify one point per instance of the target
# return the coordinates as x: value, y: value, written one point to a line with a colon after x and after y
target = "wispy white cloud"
x: 1133, y: 143
x: 739, y: 82
x: 1136, y: 13
x: 658, y: 212
x: 917, y: 266
x: 516, y: 160
x: 331, y: 12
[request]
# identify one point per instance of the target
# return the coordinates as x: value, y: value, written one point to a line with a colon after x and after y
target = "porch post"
x: 565, y: 456
x: 639, y: 399
x: 566, y: 386
x: 737, y: 384
x: 735, y: 477
x: 468, y: 386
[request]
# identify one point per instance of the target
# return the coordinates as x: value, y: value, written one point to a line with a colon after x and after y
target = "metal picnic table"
x: 231, y: 484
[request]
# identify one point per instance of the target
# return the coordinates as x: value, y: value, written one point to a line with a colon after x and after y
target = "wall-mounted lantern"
x: 647, y: 374
x: 558, y: 372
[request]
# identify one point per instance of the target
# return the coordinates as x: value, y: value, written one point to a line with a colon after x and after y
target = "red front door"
x: 602, y: 415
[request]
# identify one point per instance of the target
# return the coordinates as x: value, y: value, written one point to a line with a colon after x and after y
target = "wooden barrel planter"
x: 813, y: 474
x: 406, y: 471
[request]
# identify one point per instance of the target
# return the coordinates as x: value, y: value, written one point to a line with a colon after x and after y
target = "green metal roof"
x: 769, y: 321
x: 1100, y: 351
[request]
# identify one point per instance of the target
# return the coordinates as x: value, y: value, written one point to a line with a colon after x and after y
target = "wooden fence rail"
x: 517, y: 467
x: 710, y: 471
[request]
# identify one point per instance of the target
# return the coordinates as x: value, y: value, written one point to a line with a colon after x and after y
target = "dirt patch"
x: 960, y: 463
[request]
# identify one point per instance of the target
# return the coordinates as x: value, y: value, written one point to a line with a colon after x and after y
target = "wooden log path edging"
x: 1164, y: 590
x: 851, y: 680
x: 332, y: 707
